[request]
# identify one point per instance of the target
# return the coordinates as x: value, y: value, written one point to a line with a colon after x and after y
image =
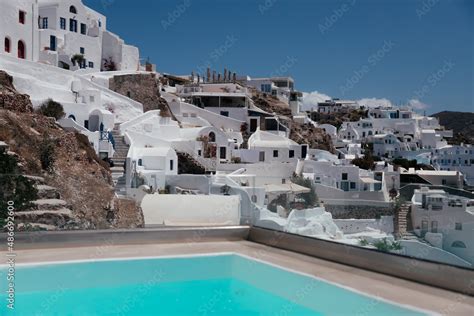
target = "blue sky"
x: 400, y: 50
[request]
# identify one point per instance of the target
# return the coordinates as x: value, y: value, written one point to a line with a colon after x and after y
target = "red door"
x: 21, y: 50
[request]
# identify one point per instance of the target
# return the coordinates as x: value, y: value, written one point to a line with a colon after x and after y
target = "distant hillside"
x: 462, y: 124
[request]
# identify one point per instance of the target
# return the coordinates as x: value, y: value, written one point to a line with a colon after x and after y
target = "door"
x: 52, y: 43
x: 253, y: 125
x: 434, y: 226
x: 222, y: 152
x: 424, y: 228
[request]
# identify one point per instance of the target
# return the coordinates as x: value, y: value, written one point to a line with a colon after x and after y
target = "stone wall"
x: 358, y: 211
x: 143, y: 88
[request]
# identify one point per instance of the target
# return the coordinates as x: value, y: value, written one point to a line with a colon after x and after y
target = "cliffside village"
x: 222, y: 147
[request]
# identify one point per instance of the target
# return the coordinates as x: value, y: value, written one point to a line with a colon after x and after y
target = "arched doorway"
x: 212, y: 137
x: 7, y: 45
x: 21, y: 50
x: 72, y: 9
x: 72, y: 117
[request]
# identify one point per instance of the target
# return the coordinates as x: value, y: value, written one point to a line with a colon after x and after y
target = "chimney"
x: 213, y: 76
x: 234, y: 77
x: 208, y: 74
x: 219, y: 77
x: 225, y: 74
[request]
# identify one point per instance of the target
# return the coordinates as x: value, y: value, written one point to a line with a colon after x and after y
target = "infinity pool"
x: 224, y: 284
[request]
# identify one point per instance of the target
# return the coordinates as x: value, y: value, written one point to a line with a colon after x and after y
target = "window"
x: 344, y: 176
x: 91, y: 64
x: 72, y: 117
x: 22, y: 17
x: 171, y: 165
x: 140, y: 162
x: 443, y: 182
x: 275, y: 154
x: 434, y: 226
x: 212, y: 137
x: 72, y: 9
x: 458, y: 244
x: 83, y: 29
x: 458, y: 226
x: 62, y: 23
x: 291, y: 154
x: 7, y: 45
x: 353, y: 185
x: 261, y: 156
x: 225, y: 113
x: 44, y: 24
x: 73, y: 25
x: 21, y: 50
x: 82, y: 50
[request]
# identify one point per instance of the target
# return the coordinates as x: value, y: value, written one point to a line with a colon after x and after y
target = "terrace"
x: 427, y: 286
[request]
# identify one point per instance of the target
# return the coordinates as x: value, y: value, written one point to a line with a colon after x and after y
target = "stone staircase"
x: 48, y: 212
x: 402, y: 221
x: 119, y: 158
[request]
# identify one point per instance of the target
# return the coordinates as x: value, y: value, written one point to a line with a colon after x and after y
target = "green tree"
x: 52, y: 108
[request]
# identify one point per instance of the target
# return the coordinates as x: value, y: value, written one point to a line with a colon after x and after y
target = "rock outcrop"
x: 10, y: 99
x: 77, y: 192
x: 143, y: 88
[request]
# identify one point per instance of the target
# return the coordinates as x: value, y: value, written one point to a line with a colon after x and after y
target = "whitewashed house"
x: 149, y: 161
x: 455, y: 158
x: 66, y: 34
x: 336, y: 105
x: 386, y: 145
x: 445, y: 221
x: 268, y: 147
x: 19, y: 29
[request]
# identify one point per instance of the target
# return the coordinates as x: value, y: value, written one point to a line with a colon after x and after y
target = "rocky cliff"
x: 64, y: 165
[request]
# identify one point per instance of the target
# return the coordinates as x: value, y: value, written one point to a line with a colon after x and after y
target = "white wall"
x: 192, y: 210
x: 15, y: 31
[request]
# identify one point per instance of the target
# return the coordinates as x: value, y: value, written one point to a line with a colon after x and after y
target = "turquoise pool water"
x: 204, y: 285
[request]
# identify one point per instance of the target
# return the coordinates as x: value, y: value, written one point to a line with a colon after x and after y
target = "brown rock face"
x: 10, y: 99
x: 80, y: 177
x: 143, y: 88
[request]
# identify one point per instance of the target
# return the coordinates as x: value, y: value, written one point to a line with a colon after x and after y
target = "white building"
x: 280, y: 87
x: 269, y: 147
x: 149, y: 162
x: 445, y: 221
x: 66, y: 34
x: 455, y: 158
x: 386, y: 145
x: 336, y: 105
x: 19, y: 28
